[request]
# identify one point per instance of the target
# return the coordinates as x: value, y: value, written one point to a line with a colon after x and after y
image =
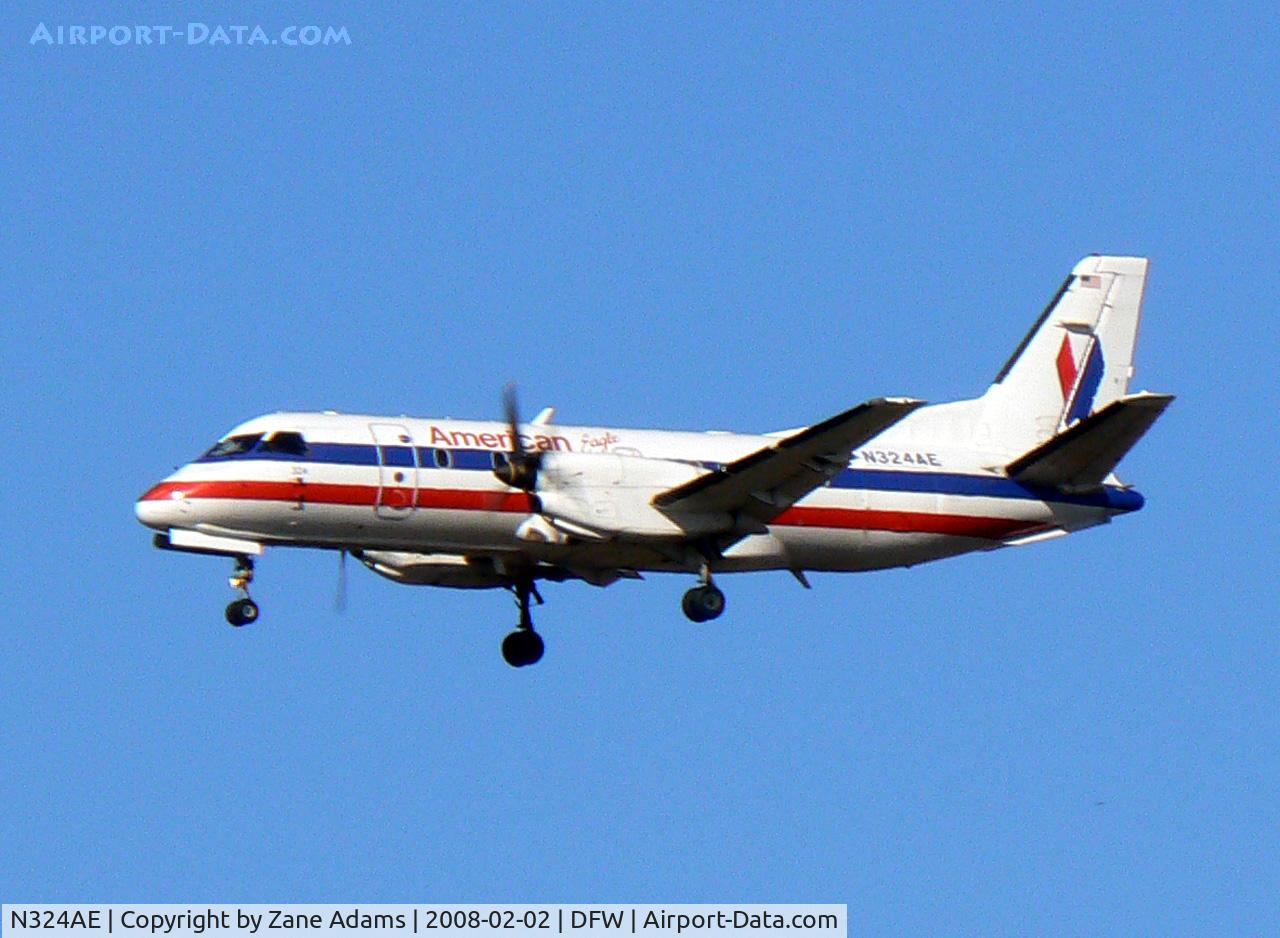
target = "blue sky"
x: 737, y: 216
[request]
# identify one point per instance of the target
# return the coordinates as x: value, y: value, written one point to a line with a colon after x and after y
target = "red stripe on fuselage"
x: 327, y: 493
x: 324, y: 493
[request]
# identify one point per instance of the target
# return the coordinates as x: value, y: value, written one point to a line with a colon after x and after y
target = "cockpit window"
x: 234, y: 445
x: 284, y: 441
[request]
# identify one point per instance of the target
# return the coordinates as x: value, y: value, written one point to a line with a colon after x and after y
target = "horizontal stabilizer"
x: 1086, y: 453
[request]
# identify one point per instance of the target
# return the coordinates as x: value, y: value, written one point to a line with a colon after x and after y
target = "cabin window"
x: 284, y: 441
x: 442, y: 458
x: 233, y: 446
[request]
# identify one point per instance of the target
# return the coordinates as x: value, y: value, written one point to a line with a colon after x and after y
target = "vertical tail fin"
x: 1077, y: 358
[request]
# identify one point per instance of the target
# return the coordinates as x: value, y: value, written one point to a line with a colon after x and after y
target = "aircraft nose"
x: 158, y: 506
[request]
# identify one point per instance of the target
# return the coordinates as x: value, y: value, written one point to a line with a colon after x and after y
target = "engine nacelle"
x: 432, y: 569
x: 612, y: 496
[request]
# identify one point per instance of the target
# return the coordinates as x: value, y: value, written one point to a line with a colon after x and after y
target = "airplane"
x: 891, y: 482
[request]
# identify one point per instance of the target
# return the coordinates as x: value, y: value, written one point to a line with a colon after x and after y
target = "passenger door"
x: 397, y: 471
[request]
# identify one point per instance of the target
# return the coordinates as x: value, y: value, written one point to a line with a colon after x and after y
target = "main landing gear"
x: 524, y: 646
x: 705, y: 601
x: 244, y: 610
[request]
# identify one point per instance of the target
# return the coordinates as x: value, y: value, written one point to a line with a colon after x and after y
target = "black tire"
x: 511, y: 650
x: 534, y: 647
x: 522, y: 648
x: 712, y: 602
x: 703, y: 603
x: 689, y: 604
x: 242, y: 612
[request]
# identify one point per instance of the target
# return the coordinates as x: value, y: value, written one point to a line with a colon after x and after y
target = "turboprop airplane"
x: 891, y: 482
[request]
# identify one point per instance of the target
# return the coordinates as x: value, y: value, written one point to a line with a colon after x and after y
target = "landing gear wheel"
x: 522, y: 647
x: 703, y: 603
x: 687, y: 604
x: 242, y: 612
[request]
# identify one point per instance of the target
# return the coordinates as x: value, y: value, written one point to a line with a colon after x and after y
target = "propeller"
x: 340, y: 597
x: 520, y: 467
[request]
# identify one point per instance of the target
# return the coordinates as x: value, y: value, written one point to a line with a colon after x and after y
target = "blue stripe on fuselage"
x: 954, y: 483
x: 879, y: 480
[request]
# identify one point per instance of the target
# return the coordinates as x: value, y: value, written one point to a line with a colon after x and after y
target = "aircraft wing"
x: 765, y: 483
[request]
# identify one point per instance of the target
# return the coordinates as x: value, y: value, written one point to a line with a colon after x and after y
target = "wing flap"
x: 765, y: 483
x: 1086, y: 453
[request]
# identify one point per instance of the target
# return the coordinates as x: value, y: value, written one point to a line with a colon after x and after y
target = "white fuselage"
x: 918, y: 492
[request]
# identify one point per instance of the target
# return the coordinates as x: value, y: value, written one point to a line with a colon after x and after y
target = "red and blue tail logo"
x: 1079, y: 384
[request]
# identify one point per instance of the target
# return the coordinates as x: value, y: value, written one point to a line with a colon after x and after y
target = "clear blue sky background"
x: 737, y: 216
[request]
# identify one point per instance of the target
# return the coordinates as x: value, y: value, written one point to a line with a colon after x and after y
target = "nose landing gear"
x: 244, y: 610
x: 524, y: 646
